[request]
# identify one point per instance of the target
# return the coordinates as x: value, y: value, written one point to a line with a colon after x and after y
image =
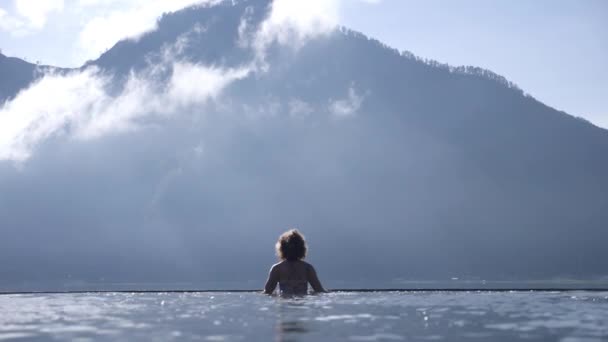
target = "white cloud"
x: 129, y: 20
x: 299, y: 108
x: 309, y: 17
x: 99, y: 114
x: 190, y: 82
x: 348, y: 106
x: 29, y: 16
x: 78, y: 105
x: 36, y: 11
x: 11, y: 24
x: 43, y: 109
x: 292, y: 22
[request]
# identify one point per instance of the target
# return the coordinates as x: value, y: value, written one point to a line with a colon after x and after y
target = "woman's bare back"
x: 293, y: 278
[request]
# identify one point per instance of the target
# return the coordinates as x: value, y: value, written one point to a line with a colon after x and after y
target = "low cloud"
x: 191, y: 83
x: 79, y: 106
x: 291, y: 23
x: 347, y: 106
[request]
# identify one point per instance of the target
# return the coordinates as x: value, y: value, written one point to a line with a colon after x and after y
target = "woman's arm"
x: 273, y: 279
x: 314, y: 280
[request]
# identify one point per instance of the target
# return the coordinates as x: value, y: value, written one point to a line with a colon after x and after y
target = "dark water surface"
x: 353, y: 316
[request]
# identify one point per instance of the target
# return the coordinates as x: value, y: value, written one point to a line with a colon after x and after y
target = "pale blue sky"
x: 556, y: 50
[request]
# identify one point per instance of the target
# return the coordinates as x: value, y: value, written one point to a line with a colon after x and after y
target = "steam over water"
x: 381, y: 316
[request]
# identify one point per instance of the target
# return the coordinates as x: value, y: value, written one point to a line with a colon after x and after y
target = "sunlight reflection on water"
x: 382, y: 316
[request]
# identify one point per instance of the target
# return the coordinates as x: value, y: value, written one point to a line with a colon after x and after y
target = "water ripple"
x: 450, y: 316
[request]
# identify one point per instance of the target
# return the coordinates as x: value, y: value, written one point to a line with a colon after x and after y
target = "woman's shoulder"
x: 278, y: 264
x: 307, y: 265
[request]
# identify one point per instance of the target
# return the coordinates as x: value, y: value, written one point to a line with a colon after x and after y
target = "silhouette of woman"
x: 292, y: 273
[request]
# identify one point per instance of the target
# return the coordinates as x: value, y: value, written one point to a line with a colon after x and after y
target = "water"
x: 348, y: 316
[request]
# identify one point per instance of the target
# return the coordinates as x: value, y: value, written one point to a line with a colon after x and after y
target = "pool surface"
x: 340, y: 316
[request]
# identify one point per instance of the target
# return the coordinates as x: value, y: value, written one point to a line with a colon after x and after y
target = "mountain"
x: 394, y: 167
x: 15, y: 74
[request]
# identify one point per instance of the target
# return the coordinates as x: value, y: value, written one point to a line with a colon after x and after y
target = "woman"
x: 292, y: 274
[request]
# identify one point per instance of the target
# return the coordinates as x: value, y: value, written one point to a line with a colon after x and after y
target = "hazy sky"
x: 556, y: 50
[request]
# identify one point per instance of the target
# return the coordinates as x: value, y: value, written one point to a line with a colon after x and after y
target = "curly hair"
x: 291, y: 246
